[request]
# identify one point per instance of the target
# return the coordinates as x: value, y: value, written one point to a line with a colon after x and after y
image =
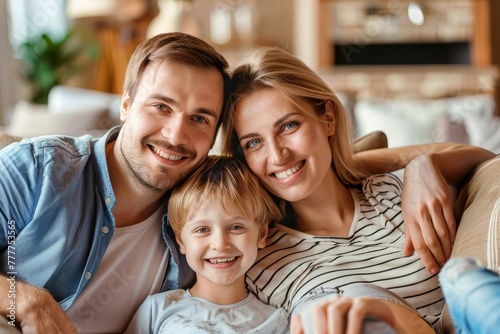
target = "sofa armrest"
x: 370, y: 141
x: 6, y: 139
x: 477, y: 212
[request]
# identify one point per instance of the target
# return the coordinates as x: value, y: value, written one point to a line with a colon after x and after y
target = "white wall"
x: 8, y: 81
x: 20, y: 20
x: 30, y: 18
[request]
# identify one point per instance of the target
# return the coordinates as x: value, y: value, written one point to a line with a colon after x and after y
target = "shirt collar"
x: 104, y: 181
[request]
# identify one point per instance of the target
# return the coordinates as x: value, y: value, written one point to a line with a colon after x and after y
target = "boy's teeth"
x: 216, y: 261
x: 288, y: 172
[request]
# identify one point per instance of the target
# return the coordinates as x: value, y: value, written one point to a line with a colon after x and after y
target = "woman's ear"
x: 124, y: 106
x: 329, y: 117
x: 263, y: 236
x: 182, y: 248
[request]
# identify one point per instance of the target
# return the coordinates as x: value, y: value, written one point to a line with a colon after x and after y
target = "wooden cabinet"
x: 314, y: 44
x: 314, y: 41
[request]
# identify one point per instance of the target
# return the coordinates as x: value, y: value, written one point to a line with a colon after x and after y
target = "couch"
x: 477, y: 209
x: 468, y: 119
x: 70, y: 111
x: 478, y: 212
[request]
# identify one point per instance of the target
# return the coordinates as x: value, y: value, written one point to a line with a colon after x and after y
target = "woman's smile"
x: 286, y: 147
x: 289, y: 172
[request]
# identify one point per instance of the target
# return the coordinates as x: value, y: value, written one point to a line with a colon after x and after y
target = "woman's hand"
x: 430, y: 226
x: 427, y: 205
x: 342, y: 314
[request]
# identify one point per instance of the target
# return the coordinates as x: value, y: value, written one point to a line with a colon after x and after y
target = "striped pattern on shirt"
x: 294, y: 263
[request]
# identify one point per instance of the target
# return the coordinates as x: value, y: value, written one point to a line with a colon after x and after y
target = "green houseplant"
x: 50, y: 62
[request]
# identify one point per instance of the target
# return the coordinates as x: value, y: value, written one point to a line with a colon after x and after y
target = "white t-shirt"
x: 133, y: 267
x: 177, y: 311
x: 293, y: 263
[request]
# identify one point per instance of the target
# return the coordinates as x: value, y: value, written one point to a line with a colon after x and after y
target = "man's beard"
x: 161, y: 179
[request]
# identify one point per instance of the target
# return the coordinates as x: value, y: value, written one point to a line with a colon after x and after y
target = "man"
x: 81, y: 239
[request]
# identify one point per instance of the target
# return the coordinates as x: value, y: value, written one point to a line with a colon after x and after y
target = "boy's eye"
x: 202, y: 230
x: 238, y: 228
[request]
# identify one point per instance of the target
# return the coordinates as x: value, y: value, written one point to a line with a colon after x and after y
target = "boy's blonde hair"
x: 231, y: 183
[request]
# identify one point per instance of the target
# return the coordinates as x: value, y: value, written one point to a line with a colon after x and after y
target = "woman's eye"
x: 252, y: 143
x: 290, y: 125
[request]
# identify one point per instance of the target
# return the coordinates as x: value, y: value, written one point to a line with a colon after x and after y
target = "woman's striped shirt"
x: 294, y: 263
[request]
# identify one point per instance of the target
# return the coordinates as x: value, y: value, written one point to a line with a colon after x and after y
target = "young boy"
x: 220, y: 217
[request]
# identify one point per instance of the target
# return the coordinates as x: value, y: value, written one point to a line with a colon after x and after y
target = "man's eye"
x: 160, y: 106
x: 200, y: 119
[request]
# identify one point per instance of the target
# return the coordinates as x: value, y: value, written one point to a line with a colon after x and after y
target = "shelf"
x: 411, y: 82
x: 314, y: 43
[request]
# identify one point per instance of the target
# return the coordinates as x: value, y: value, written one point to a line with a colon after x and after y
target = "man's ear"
x: 124, y: 106
x: 263, y: 236
x: 329, y: 117
x: 182, y: 248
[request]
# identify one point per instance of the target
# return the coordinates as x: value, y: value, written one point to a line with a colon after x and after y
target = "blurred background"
x: 389, y: 60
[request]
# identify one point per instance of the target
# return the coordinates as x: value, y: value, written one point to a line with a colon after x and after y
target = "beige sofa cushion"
x: 6, y: 139
x: 478, y: 211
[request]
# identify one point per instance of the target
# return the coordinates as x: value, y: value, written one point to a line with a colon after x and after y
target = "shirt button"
x: 108, y: 200
x: 105, y: 229
x: 88, y: 275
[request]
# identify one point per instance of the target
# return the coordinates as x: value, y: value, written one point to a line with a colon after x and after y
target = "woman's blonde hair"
x: 229, y: 182
x: 274, y: 68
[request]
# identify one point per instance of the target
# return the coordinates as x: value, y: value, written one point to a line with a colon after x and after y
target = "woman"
x: 344, y: 234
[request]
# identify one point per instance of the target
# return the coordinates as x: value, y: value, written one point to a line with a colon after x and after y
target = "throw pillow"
x: 484, y: 132
x: 30, y: 120
x: 452, y: 130
x: 406, y: 122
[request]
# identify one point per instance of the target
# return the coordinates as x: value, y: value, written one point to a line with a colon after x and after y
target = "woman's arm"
x: 426, y: 199
x: 455, y: 161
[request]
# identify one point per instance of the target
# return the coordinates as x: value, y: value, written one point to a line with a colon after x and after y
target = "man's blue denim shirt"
x: 56, y: 194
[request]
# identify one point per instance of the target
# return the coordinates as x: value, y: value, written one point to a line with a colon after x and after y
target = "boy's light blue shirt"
x: 55, y: 192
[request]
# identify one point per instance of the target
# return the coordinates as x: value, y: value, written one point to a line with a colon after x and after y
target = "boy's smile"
x: 219, y: 246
